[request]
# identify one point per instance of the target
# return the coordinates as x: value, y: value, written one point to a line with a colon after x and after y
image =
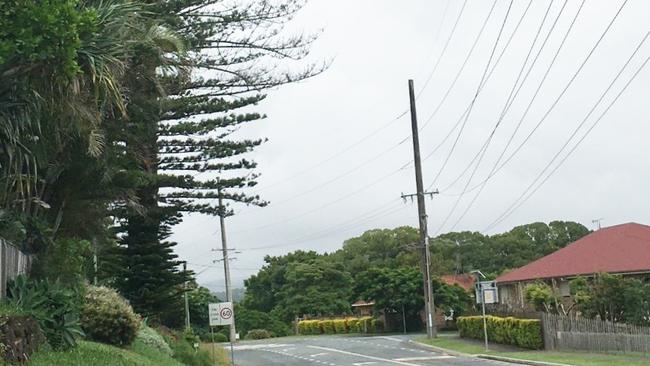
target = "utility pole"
x: 226, y: 262
x: 187, y: 303
x: 422, y: 216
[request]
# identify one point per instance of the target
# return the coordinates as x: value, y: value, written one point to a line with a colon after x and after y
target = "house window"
x: 565, y: 290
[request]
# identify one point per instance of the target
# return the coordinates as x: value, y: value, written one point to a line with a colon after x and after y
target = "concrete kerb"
x: 520, y: 361
x: 488, y: 357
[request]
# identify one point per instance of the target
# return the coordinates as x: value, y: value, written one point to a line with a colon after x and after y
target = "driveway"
x: 346, y: 351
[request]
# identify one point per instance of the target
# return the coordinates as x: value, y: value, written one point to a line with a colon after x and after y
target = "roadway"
x: 346, y: 351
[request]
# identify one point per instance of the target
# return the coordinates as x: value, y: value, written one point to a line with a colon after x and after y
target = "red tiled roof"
x: 464, y: 280
x: 617, y: 249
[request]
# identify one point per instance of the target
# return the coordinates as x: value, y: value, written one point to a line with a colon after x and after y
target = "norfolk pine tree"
x: 180, y: 124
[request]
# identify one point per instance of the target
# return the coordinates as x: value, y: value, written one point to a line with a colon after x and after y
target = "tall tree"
x: 182, y: 157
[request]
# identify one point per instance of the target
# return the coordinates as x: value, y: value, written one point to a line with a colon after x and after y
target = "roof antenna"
x: 597, y: 222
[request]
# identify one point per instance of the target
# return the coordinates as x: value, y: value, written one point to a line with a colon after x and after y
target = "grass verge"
x: 570, y: 358
x: 91, y: 353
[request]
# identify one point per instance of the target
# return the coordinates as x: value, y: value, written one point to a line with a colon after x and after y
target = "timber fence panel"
x: 13, y: 263
x: 572, y: 333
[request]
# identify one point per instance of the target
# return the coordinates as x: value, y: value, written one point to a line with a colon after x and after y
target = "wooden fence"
x: 13, y: 262
x: 572, y: 333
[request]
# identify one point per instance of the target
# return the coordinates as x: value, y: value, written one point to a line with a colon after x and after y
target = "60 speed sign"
x: 221, y: 313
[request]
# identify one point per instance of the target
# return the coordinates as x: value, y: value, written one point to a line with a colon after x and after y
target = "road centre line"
x: 363, y: 356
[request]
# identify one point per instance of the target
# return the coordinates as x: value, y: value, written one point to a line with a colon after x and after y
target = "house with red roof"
x: 621, y: 249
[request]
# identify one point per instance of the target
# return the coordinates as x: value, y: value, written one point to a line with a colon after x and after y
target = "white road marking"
x: 244, y: 347
x: 364, y: 363
x: 318, y: 354
x: 391, y: 339
x: 424, y: 358
x: 363, y: 356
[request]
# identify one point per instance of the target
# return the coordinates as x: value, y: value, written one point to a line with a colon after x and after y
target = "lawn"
x: 569, y: 358
x: 91, y: 353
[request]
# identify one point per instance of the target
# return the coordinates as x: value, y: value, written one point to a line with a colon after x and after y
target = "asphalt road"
x: 346, y: 351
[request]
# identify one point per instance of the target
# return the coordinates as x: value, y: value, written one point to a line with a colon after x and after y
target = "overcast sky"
x: 331, y: 167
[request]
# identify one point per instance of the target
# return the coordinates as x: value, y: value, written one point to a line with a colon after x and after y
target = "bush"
x: 248, y: 319
x: 107, y: 317
x: 376, y: 326
x: 339, y: 326
x: 353, y: 325
x: 525, y: 333
x: 258, y: 334
x: 220, y: 338
x: 154, y: 340
x: 185, y: 353
x: 54, y: 306
x: 365, y: 325
x: 327, y: 326
x: 309, y: 327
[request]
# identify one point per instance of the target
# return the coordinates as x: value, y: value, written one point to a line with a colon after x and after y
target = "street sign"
x: 486, y: 290
x: 221, y: 313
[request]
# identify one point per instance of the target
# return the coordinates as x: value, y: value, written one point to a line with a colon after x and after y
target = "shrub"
x: 339, y: 326
x: 525, y: 333
x: 258, y: 334
x: 220, y: 338
x: 327, y: 326
x: 309, y: 327
x: 154, y: 340
x: 64, y: 260
x: 54, y: 306
x: 376, y: 326
x: 354, y: 325
x: 365, y: 325
x: 248, y: 319
x: 107, y: 317
x: 185, y: 353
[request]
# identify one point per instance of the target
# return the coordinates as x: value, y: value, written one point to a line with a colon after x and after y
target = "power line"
x: 530, y: 68
x: 478, y: 90
x: 377, y: 131
x: 555, y: 102
x: 509, y: 101
x: 521, y: 199
x: 316, y: 209
x: 327, y: 232
x: 444, y: 50
x: 458, y: 74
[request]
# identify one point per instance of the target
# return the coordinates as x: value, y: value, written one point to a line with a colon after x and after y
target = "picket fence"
x: 571, y: 333
x: 13, y: 262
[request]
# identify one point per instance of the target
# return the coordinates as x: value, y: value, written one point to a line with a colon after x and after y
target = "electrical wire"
x: 509, y: 101
x: 319, y: 208
x: 523, y: 198
x: 553, y: 105
x: 476, y: 94
x: 530, y: 68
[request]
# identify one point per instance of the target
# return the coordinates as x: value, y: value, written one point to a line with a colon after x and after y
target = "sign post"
x: 222, y: 313
x: 487, y: 293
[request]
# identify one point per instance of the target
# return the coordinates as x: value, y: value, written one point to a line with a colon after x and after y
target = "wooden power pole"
x: 226, y: 262
x: 422, y: 216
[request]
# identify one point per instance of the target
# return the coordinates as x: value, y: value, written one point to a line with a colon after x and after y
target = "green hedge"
x: 340, y: 326
x: 525, y: 333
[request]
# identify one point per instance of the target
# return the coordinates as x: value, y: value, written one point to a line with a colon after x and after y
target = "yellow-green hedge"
x: 340, y: 326
x: 525, y: 333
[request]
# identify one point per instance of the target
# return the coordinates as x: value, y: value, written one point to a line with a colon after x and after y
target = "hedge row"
x: 339, y: 326
x: 525, y: 333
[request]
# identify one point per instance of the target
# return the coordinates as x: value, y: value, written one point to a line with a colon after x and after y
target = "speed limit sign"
x: 221, y: 313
